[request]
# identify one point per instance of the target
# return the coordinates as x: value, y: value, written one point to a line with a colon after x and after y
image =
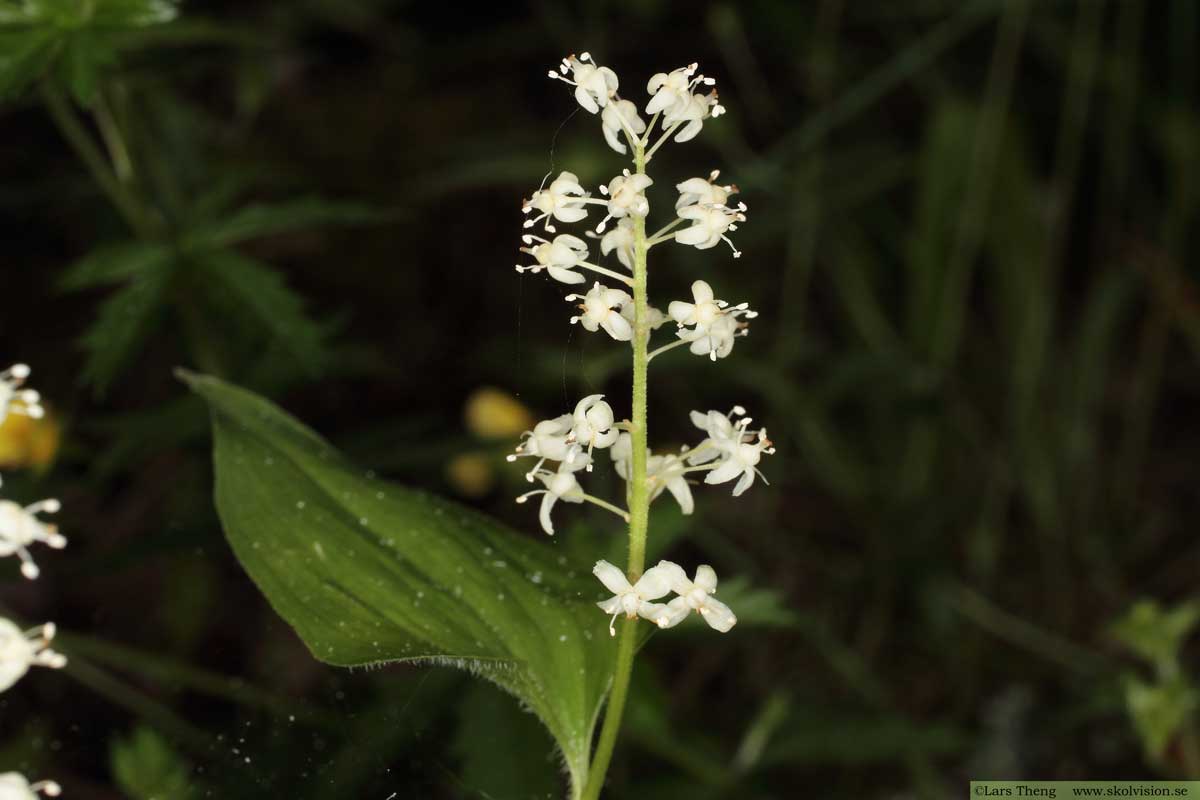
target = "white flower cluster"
x: 730, y: 450
x: 19, y: 528
x: 679, y: 104
x: 635, y: 600
x: 702, y: 207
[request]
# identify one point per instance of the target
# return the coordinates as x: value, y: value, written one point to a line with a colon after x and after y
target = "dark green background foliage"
x: 969, y: 236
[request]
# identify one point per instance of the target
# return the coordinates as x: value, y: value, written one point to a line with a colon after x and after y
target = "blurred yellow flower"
x: 29, y: 442
x: 471, y: 474
x: 495, y: 414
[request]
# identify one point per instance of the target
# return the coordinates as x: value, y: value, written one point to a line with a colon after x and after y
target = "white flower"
x: 716, y: 341
x: 594, y: 85
x: 695, y: 595
x: 741, y: 459
x: 14, y: 786
x: 564, y: 200
x: 626, y: 197
x: 667, y: 472
x: 14, y: 399
x: 693, y: 112
x: 714, y: 322
x: 599, y: 311
x: 549, y: 439
x: 620, y: 239
x: 663, y: 473
x: 722, y: 433
x: 633, y: 600
x: 654, y: 317
x: 560, y: 485
x: 703, y: 192
x: 20, y: 650
x: 20, y: 527
x: 673, y: 90
x: 709, y: 224
x: 620, y: 116
x: 558, y: 257
x: 592, y: 424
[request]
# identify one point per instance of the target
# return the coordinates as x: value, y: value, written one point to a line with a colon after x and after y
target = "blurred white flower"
x: 704, y: 191
x: 633, y: 600
x: 600, y: 308
x: 620, y: 238
x: 594, y: 85
x: 695, y: 595
x: 620, y: 116
x: 14, y: 399
x: 564, y: 200
x: 20, y: 527
x: 20, y: 650
x: 626, y: 197
x: 667, y: 472
x: 709, y: 224
x: 558, y: 257
x: 663, y: 472
x: 14, y: 786
x: 560, y: 485
x: 654, y: 317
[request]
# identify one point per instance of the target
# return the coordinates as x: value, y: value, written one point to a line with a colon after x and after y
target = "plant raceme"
x: 680, y: 102
x: 730, y: 450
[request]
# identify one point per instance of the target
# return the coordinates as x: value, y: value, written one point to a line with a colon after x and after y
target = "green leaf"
x: 1158, y: 712
x: 146, y: 768
x: 113, y: 264
x: 86, y: 56
x: 257, y: 291
x: 125, y: 321
x: 1155, y: 634
x: 23, y: 57
x: 266, y: 220
x: 369, y: 573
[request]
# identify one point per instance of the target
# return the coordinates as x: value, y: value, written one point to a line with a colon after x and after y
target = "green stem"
x: 92, y: 157
x: 639, y: 504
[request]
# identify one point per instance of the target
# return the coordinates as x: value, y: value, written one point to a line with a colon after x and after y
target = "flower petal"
x: 548, y: 500
x: 612, y: 577
x: 718, y: 615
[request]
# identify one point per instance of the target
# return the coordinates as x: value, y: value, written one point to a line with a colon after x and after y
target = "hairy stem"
x: 639, y: 504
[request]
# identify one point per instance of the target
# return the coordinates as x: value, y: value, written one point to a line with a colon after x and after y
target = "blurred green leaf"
x: 125, y: 320
x: 257, y: 291
x: 266, y: 220
x: 146, y: 768
x: 370, y: 573
x: 24, y: 55
x: 1155, y: 634
x: 1158, y: 712
x: 85, y: 37
x: 116, y: 263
